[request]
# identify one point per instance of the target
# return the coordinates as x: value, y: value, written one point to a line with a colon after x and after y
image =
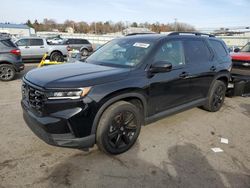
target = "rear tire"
x: 56, y: 56
x: 7, y: 72
x: 118, y: 128
x: 84, y: 52
x: 216, y: 97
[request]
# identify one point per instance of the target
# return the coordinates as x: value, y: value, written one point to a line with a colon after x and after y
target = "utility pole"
x: 95, y: 27
x: 175, y: 24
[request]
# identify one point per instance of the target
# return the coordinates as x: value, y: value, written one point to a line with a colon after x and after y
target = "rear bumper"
x: 240, y: 85
x: 19, y: 66
x: 39, y: 125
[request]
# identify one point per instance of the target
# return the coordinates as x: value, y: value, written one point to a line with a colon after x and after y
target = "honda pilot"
x: 129, y: 82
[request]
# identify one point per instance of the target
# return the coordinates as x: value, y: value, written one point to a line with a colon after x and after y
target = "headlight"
x: 69, y: 94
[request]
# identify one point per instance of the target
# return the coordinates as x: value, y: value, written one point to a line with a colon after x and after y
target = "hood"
x: 74, y: 75
x: 241, y: 56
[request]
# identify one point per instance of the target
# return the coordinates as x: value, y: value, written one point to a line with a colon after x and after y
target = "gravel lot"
x: 173, y: 152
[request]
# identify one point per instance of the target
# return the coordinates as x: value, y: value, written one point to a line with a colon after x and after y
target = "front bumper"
x: 43, y: 126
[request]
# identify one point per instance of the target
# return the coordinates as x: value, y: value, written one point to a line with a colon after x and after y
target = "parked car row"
x: 33, y: 48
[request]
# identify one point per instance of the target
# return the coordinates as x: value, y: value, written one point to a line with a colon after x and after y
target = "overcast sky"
x: 199, y: 13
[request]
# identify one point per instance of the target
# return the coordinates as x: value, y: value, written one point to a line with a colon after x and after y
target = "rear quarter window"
x: 219, y: 48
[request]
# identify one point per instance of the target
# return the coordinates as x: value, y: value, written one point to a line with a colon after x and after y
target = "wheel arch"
x: 223, y: 76
x: 84, y: 48
x: 7, y: 63
x: 54, y: 52
x: 136, y: 98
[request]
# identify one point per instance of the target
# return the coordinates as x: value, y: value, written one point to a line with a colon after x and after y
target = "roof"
x: 153, y: 37
x: 16, y: 26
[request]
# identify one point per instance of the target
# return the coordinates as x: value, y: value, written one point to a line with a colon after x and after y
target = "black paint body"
x: 73, y: 123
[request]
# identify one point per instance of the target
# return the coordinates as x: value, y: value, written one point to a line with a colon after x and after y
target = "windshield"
x: 246, y: 48
x: 121, y: 53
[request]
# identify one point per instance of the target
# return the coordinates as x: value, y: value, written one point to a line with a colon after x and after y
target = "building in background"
x: 69, y: 30
x: 17, y: 30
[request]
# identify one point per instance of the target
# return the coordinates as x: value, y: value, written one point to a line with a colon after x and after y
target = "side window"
x: 171, y: 51
x: 85, y: 41
x: 196, y: 51
x: 219, y: 48
x: 79, y: 41
x: 71, y: 41
x: 23, y: 42
x: 36, y: 42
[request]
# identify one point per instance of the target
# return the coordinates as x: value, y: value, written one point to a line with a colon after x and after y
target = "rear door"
x: 37, y: 48
x: 201, y: 66
x: 71, y: 43
x: 170, y: 89
x: 78, y: 43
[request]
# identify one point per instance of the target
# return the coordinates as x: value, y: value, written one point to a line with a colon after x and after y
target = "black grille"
x: 33, y: 97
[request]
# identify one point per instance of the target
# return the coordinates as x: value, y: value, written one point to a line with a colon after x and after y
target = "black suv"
x: 10, y: 59
x: 129, y: 82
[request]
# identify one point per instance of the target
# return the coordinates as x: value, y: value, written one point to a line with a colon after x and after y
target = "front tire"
x: 216, y: 97
x: 118, y: 128
x: 7, y: 72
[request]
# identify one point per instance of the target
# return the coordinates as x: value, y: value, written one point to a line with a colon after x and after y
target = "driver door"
x: 170, y: 89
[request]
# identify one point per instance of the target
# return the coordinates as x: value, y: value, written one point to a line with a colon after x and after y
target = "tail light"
x: 16, y: 52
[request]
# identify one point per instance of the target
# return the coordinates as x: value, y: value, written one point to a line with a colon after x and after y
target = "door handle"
x: 27, y: 47
x: 183, y: 75
x: 213, y: 68
x: 41, y: 46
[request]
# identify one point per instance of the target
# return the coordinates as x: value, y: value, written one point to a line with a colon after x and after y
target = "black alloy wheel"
x: 218, y: 97
x: 122, y: 129
x: 119, y: 127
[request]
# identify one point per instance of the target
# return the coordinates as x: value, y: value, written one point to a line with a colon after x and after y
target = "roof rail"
x: 190, y: 33
x: 131, y: 34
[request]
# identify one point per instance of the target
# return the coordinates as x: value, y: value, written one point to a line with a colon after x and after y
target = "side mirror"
x: 236, y: 50
x: 161, y: 67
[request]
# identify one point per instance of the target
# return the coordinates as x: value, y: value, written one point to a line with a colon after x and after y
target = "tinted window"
x: 219, y: 48
x: 121, y: 53
x: 171, y: 51
x: 23, y: 42
x: 36, y: 42
x: 71, y: 41
x: 196, y: 51
x: 7, y: 43
x: 83, y: 41
x: 78, y: 41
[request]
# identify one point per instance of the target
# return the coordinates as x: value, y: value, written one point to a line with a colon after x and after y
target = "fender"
x: 113, y: 100
x: 221, y: 74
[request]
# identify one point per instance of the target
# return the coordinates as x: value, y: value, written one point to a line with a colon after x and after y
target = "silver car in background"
x: 33, y: 48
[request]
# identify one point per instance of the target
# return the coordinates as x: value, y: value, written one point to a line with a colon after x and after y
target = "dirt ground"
x: 173, y: 152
